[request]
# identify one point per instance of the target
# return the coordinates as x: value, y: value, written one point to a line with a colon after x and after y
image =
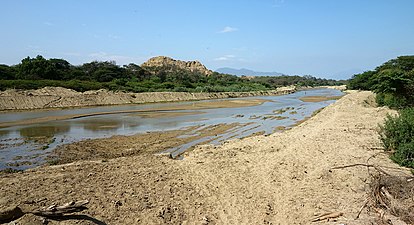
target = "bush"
x: 397, y: 136
x: 405, y: 155
x: 391, y: 100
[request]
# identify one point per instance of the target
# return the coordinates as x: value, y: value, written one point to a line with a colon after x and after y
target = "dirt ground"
x: 284, y: 178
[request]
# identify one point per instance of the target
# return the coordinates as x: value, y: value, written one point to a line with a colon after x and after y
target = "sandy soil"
x: 284, y: 178
x: 319, y: 98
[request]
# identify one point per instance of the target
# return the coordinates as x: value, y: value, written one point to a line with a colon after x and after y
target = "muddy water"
x: 27, y: 146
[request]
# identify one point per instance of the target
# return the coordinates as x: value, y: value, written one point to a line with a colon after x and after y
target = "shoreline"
x: 58, y: 97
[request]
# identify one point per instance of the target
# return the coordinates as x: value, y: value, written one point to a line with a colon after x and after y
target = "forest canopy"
x: 393, y: 82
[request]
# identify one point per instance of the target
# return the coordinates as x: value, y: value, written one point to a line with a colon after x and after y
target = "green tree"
x: 7, y: 72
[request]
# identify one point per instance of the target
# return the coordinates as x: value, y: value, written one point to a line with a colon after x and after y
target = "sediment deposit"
x: 57, y: 97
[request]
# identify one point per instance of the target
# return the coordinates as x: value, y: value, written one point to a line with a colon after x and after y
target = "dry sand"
x: 319, y: 98
x: 284, y: 178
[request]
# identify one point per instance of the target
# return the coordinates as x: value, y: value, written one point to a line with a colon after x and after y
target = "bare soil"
x: 284, y: 178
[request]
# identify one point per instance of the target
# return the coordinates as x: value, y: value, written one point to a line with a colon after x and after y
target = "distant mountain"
x: 246, y: 72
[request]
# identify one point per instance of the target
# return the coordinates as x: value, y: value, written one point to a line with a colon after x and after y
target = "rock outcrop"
x: 170, y: 63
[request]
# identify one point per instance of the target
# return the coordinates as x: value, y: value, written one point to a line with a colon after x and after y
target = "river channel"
x: 27, y: 146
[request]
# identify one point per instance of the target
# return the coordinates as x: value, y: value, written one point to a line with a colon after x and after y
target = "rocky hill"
x: 167, y: 62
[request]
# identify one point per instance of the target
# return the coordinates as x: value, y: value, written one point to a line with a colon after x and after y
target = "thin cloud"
x: 228, y: 29
x: 48, y: 23
x: 225, y: 58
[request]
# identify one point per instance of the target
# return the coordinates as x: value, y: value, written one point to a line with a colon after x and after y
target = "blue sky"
x: 323, y: 38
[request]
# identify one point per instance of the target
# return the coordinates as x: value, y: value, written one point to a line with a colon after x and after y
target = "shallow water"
x: 23, y: 147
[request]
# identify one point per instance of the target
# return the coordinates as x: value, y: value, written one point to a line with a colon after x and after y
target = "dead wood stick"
x: 55, y: 210
x: 387, y: 194
x: 376, y: 148
x: 361, y: 164
x: 327, y: 216
x: 360, y: 210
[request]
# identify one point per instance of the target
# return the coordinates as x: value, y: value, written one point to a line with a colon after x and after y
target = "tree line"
x: 393, y: 83
x: 38, y: 72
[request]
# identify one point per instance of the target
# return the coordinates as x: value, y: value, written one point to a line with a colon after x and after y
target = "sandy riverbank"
x: 57, y: 97
x: 284, y: 178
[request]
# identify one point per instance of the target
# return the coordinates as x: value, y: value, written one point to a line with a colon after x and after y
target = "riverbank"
x: 57, y: 97
x: 284, y: 178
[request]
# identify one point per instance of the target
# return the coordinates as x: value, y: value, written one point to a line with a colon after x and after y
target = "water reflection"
x: 4, y: 132
x: 43, y: 131
x: 98, y: 125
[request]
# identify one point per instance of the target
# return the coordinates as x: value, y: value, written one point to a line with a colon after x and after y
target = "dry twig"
x: 327, y: 216
x: 13, y: 213
x: 379, y: 169
x: 360, y: 210
x: 55, y: 210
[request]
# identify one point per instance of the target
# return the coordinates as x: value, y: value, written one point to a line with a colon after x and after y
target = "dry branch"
x: 55, y: 210
x: 327, y: 216
x: 379, y: 169
x: 360, y: 210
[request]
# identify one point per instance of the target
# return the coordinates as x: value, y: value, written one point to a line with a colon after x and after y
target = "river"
x: 27, y: 146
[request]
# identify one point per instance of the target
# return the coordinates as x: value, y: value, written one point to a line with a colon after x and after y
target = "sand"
x: 319, y: 98
x: 284, y: 178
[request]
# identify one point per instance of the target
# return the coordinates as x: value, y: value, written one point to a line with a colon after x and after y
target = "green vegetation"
x: 38, y: 72
x: 397, y: 136
x: 394, y: 84
x: 302, y: 81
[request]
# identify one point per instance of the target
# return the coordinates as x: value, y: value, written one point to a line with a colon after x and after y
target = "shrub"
x: 405, y: 155
x: 397, y: 136
x: 390, y: 100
